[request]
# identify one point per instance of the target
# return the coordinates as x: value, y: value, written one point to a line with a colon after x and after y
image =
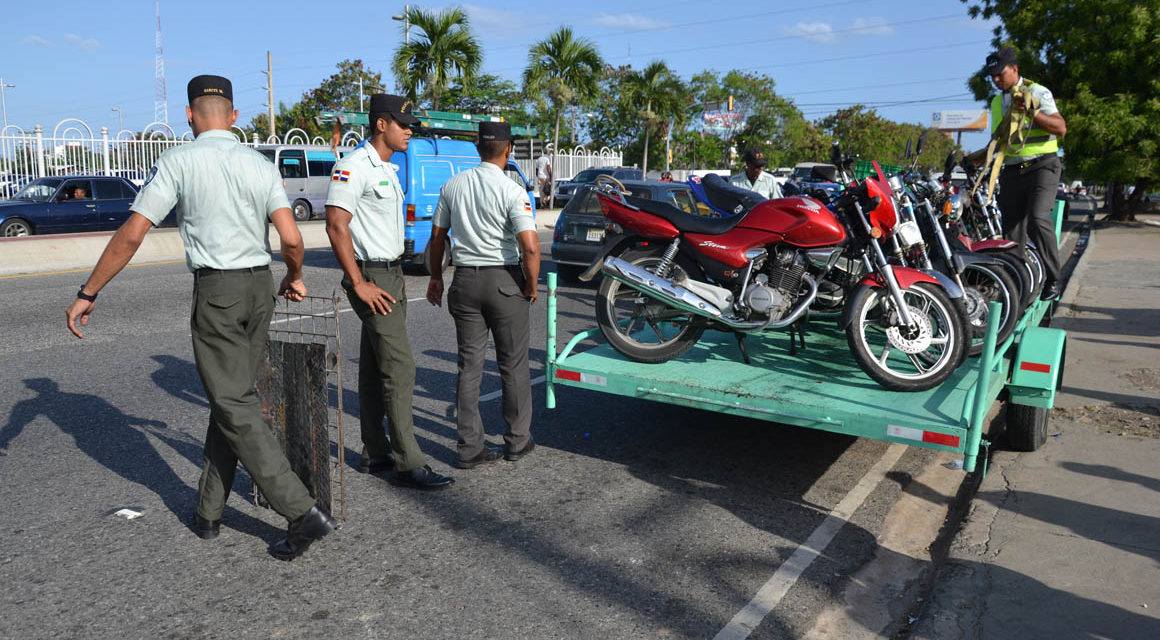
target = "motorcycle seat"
x: 727, y: 198
x: 684, y: 220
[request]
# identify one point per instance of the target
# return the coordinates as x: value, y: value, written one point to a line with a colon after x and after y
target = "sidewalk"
x: 1065, y: 542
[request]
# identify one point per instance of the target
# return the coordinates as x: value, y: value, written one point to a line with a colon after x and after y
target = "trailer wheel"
x: 1026, y: 427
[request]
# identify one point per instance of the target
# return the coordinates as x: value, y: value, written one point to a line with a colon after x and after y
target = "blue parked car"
x: 67, y: 204
x: 426, y: 165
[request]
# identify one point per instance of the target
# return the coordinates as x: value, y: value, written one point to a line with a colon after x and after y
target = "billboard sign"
x: 959, y: 120
x: 722, y: 123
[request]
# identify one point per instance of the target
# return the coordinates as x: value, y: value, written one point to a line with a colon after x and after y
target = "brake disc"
x: 913, y: 339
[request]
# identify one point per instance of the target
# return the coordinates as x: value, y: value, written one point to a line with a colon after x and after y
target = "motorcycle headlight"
x: 953, y: 207
x: 908, y: 233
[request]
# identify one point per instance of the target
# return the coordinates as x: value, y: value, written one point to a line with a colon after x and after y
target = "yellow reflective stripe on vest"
x: 1037, y: 141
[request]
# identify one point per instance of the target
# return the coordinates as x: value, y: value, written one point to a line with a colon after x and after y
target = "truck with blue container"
x: 428, y: 163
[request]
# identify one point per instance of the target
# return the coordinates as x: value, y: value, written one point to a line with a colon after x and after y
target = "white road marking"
x: 787, y: 574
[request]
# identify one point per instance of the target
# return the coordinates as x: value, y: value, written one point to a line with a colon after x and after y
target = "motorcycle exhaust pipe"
x: 678, y: 297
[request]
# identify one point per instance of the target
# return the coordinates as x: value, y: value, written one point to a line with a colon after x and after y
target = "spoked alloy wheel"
x: 906, y: 358
x: 983, y: 284
x: 640, y: 327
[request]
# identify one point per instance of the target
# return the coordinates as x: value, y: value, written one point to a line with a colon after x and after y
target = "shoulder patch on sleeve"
x: 340, y: 175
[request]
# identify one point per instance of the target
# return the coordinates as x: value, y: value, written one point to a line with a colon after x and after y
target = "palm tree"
x: 444, y: 50
x: 563, y: 67
x: 661, y: 92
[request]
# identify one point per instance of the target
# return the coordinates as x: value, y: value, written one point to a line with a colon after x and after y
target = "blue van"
x: 423, y: 169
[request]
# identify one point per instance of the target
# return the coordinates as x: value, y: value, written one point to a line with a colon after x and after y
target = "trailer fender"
x: 1038, y: 368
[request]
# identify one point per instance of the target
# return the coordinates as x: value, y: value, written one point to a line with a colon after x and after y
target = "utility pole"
x: 4, y: 101
x: 270, y: 92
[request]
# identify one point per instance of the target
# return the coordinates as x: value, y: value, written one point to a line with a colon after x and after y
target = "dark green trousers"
x: 386, y: 373
x: 230, y: 317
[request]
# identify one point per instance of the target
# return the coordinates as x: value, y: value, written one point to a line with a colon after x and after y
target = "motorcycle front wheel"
x: 983, y: 284
x: 906, y: 358
x: 641, y: 327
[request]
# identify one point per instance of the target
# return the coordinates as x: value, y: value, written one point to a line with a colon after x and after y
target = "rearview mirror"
x: 909, y: 148
x: 921, y: 142
x: 836, y: 154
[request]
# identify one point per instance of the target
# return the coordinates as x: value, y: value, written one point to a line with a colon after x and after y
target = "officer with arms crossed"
x: 490, y: 219
x: 755, y: 178
x: 224, y: 193
x: 1030, y: 175
x: 364, y: 219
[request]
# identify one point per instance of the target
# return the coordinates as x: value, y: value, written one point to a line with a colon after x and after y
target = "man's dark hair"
x: 378, y: 115
x: 489, y: 149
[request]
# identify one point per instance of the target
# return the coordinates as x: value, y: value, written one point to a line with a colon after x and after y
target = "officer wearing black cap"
x: 754, y: 178
x: 364, y: 219
x: 1031, y: 167
x: 497, y: 263
x: 224, y: 194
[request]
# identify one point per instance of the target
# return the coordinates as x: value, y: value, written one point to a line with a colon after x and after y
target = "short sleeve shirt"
x: 224, y: 193
x: 367, y: 187
x: 1047, y: 104
x: 542, y: 164
x: 484, y: 212
x: 765, y: 184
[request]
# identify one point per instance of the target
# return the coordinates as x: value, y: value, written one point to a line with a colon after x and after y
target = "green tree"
x: 564, y: 68
x: 340, y: 91
x: 660, y: 97
x: 865, y: 132
x: 445, y: 49
x: 1101, y: 60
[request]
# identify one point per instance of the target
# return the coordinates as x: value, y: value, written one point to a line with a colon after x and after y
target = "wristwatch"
x: 84, y: 296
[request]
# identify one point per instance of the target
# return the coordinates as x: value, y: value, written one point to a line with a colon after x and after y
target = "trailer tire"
x: 1026, y: 427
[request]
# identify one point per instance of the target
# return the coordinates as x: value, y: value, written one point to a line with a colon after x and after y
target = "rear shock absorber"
x: 667, y: 260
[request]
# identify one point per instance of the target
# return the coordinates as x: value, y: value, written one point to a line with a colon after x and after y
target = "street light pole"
x: 406, y: 20
x: 120, y: 120
x: 3, y: 100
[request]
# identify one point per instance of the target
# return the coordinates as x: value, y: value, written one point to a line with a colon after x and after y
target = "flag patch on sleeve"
x: 340, y: 176
x: 527, y: 206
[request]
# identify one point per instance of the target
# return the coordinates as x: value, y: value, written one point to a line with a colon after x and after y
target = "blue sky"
x: 72, y: 59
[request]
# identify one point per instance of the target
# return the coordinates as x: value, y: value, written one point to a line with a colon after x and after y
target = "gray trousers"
x: 483, y: 300
x: 1027, y: 199
x: 231, y: 314
x: 386, y: 373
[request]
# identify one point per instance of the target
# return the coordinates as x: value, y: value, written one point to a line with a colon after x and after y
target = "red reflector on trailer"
x: 574, y: 376
x: 944, y: 439
x: 1035, y: 366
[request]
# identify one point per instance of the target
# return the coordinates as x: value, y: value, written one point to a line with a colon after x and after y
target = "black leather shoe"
x: 313, y: 525
x: 512, y: 456
x: 206, y: 529
x: 1050, y: 291
x: 487, y: 455
x: 422, y: 478
x: 368, y: 464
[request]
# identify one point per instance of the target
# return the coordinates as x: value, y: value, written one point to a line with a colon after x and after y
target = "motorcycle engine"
x: 774, y: 290
x: 846, y: 273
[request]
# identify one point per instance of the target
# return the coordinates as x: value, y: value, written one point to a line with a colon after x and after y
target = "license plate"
x: 595, y: 235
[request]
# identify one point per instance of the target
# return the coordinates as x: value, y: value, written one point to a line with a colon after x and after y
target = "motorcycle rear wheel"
x: 990, y: 283
x: 641, y: 327
x: 901, y: 358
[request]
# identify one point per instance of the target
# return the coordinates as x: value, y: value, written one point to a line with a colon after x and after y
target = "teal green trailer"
x: 823, y: 388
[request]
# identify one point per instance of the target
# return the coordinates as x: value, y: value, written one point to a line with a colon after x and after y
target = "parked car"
x: 565, y: 191
x: 579, y: 230
x: 67, y: 204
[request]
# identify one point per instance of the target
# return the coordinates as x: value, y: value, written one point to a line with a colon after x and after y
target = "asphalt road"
x: 632, y: 519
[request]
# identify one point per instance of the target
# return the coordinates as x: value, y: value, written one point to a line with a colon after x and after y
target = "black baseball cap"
x: 397, y: 107
x: 755, y: 157
x: 210, y: 86
x: 498, y: 131
x: 1001, y: 58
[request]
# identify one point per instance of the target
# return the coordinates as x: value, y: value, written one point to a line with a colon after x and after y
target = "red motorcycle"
x: 670, y: 275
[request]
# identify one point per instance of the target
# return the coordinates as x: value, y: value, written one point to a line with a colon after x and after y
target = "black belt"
x: 1023, y: 166
x: 206, y: 271
x: 489, y: 266
x: 379, y: 264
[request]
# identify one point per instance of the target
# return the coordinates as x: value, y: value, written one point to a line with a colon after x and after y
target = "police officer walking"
x: 491, y: 221
x: 1030, y: 176
x: 755, y: 178
x: 364, y: 219
x: 224, y: 193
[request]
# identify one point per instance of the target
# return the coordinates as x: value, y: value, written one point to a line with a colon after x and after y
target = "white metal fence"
x: 73, y: 148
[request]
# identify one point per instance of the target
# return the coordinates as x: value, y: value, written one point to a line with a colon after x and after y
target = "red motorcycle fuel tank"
x: 803, y: 222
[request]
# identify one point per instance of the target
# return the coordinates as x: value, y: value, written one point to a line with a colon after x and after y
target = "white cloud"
x: 876, y: 26
x: 816, y: 31
x: 629, y: 21
x: 82, y: 44
x: 483, y: 16
x: 37, y: 41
